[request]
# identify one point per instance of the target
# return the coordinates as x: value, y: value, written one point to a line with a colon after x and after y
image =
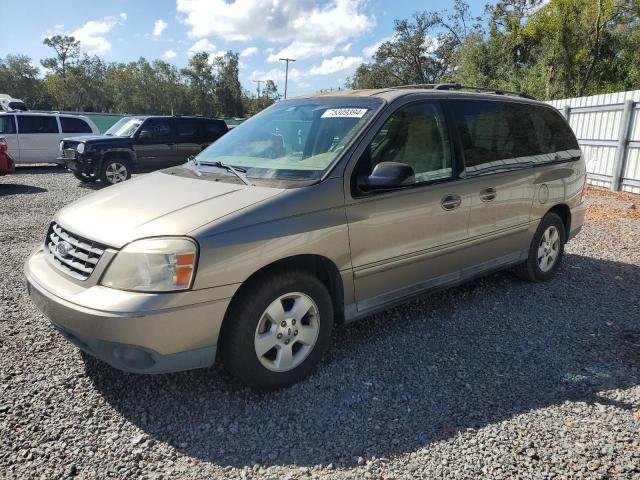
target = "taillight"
x: 3, y: 145
x: 585, y: 185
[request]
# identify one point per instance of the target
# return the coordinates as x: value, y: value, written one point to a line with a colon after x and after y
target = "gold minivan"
x: 318, y: 211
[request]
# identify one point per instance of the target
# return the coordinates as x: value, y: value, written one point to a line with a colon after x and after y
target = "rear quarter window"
x: 37, y: 124
x: 552, y: 132
x: 214, y: 129
x: 74, y: 125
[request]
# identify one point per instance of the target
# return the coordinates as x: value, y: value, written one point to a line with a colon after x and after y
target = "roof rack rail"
x: 496, y: 91
x: 458, y: 86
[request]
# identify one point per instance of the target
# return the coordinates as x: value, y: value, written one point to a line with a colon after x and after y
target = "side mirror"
x: 389, y: 175
x: 144, y: 135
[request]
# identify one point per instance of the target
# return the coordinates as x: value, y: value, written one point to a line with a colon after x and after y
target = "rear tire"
x: 115, y: 170
x: 277, y: 329
x: 83, y: 177
x: 545, y: 252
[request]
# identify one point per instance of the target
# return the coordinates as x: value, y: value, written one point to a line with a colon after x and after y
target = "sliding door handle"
x: 488, y: 194
x: 451, y: 202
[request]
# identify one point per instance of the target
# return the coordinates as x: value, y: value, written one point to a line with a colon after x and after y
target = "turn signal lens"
x: 185, y: 263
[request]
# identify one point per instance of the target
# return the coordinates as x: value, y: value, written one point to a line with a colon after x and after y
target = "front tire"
x: 277, y: 329
x: 85, y: 178
x: 546, y: 250
x: 115, y: 171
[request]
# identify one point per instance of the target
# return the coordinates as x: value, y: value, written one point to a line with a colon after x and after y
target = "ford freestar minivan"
x: 317, y: 211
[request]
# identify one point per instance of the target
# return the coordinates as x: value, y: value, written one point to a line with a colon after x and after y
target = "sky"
x: 328, y: 38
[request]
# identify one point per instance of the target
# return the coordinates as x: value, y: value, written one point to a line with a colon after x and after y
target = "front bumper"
x: 82, y: 163
x: 135, y: 332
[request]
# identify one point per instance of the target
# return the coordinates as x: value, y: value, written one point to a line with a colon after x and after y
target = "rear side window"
x: 37, y: 124
x: 553, y: 134
x: 74, y: 125
x: 188, y: 129
x: 214, y: 129
x: 494, y: 134
x: 7, y: 124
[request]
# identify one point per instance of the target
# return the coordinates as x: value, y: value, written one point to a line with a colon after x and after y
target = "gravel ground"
x: 494, y: 379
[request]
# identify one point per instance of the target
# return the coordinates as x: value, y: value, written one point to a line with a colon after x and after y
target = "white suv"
x: 35, y: 137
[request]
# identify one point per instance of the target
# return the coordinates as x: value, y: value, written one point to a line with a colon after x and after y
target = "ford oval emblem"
x: 63, y: 249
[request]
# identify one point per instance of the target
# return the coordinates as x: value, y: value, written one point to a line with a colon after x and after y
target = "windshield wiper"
x: 193, y: 165
x: 238, y: 172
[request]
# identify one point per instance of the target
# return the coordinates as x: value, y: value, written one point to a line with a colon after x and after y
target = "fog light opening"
x: 133, y: 357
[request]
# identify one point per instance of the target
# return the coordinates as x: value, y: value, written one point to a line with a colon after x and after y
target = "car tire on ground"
x: 546, y: 250
x: 277, y: 329
x: 83, y: 177
x: 115, y: 170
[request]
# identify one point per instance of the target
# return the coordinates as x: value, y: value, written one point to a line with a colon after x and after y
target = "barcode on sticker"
x: 344, y: 113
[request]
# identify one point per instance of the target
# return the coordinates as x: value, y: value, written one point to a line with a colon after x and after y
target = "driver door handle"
x: 488, y: 194
x: 451, y: 201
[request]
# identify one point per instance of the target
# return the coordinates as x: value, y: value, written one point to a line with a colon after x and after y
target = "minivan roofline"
x: 392, y: 93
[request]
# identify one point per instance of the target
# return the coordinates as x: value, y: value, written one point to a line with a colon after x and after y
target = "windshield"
x: 293, y: 140
x: 125, y: 127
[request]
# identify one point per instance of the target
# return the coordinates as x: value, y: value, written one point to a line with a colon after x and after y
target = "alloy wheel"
x: 287, y: 332
x: 549, y: 249
x: 116, y: 172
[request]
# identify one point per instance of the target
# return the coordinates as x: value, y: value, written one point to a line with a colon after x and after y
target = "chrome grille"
x: 77, y: 257
x: 69, y: 153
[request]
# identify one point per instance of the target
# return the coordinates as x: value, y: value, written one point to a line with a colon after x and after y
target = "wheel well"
x: 321, y: 267
x: 117, y: 155
x: 564, y: 212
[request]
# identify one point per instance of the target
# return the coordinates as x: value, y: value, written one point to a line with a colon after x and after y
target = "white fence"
x: 608, y: 130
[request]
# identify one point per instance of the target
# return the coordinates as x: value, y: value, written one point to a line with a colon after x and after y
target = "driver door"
x: 404, y: 240
x: 157, y: 148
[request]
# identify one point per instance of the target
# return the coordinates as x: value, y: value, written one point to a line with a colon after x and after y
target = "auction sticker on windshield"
x: 344, y: 113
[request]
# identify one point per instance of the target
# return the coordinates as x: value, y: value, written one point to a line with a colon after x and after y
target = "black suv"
x: 139, y: 144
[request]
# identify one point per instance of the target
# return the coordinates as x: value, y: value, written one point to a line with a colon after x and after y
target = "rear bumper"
x: 577, y: 220
x: 141, y: 339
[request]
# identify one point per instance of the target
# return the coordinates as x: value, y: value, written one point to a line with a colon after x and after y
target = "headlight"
x: 61, y: 143
x: 153, y: 265
x: 80, y: 148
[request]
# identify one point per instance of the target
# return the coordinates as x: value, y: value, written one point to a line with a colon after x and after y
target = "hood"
x: 156, y: 204
x: 98, y: 139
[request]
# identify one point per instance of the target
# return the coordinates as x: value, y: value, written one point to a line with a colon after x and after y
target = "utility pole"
x: 286, y: 74
x: 258, y: 82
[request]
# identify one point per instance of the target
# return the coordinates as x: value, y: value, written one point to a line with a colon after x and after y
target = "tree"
x: 66, y: 48
x: 228, y: 88
x: 405, y: 59
x: 422, y: 50
x: 19, y: 78
x: 201, y: 80
x: 252, y: 104
x: 270, y: 91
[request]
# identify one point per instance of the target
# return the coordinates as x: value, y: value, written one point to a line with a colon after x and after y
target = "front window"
x: 414, y: 135
x: 125, y: 127
x: 293, y: 140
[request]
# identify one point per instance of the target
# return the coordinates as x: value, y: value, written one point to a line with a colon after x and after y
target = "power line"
x: 286, y: 74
